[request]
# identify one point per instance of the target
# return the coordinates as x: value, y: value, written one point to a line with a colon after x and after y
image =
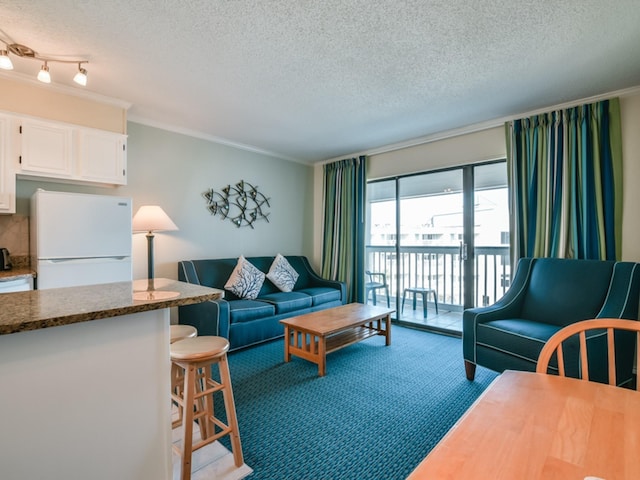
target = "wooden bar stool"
x: 194, y: 357
x: 179, y: 332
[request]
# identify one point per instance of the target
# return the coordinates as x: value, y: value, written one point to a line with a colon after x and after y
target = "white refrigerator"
x: 80, y: 239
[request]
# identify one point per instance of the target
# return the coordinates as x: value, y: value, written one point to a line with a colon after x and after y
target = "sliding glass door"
x: 441, y: 240
x: 431, y: 234
x: 491, y: 259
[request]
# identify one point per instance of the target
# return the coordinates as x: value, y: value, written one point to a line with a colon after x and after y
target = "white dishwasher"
x: 16, y: 284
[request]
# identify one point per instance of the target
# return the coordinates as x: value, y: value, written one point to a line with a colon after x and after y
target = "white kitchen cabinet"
x: 46, y: 149
x: 71, y: 153
x: 7, y: 172
x: 102, y: 156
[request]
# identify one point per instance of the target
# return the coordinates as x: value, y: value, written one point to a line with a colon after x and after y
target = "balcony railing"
x: 440, y: 268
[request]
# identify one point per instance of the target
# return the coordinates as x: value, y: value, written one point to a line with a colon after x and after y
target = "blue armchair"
x: 545, y: 295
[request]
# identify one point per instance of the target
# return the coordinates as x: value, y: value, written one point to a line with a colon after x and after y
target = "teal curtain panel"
x: 344, y: 216
x: 565, y: 183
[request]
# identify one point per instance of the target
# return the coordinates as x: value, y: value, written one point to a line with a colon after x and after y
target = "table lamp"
x: 151, y: 218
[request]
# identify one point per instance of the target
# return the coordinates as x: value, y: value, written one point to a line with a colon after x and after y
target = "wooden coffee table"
x: 313, y: 335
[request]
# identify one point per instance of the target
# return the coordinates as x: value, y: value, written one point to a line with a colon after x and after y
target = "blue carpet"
x: 375, y: 415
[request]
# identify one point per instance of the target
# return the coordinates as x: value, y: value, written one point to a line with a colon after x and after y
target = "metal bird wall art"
x: 241, y: 203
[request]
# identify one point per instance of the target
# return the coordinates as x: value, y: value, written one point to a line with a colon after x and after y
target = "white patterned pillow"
x: 245, y: 280
x: 282, y: 274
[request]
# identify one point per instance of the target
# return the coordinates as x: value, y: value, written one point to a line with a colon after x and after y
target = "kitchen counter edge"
x: 38, y: 309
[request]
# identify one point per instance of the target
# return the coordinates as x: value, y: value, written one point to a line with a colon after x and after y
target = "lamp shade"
x: 151, y: 218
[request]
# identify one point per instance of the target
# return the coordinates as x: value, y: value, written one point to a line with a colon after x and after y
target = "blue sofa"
x: 247, y: 322
x: 547, y: 294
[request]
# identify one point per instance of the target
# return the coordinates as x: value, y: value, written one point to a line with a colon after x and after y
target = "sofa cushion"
x: 320, y: 295
x: 245, y: 280
x: 282, y: 274
x: 248, y: 310
x: 286, y: 302
x: 516, y: 335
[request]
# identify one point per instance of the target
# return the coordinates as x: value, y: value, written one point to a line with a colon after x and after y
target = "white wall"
x: 630, y: 114
x: 173, y: 170
x: 64, y: 104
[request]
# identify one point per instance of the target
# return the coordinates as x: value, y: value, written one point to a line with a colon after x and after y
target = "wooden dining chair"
x: 608, y: 325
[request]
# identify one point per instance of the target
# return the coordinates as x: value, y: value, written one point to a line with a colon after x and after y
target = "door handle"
x: 463, y: 251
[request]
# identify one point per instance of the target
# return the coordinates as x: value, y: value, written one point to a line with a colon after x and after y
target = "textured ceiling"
x: 311, y: 80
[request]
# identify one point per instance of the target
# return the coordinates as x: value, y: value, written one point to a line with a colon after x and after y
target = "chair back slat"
x: 638, y: 361
x: 584, y: 362
x: 560, y: 360
x: 611, y: 357
x: 610, y: 325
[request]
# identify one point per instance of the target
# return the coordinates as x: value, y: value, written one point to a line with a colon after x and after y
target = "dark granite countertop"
x: 16, y: 274
x: 37, y: 309
x: 21, y: 269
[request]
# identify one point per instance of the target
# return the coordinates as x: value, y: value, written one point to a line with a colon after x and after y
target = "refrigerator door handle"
x: 85, y: 259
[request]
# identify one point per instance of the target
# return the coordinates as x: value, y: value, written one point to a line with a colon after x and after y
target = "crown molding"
x: 64, y: 89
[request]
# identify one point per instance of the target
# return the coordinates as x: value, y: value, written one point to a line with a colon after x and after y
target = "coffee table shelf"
x: 349, y: 337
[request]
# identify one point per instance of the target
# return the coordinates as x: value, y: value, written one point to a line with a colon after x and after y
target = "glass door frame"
x: 467, y: 247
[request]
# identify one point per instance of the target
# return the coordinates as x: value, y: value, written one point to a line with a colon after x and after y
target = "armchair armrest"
x: 508, y: 306
x: 624, y: 289
x: 209, y: 318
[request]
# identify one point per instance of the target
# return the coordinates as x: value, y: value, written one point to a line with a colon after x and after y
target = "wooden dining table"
x: 530, y: 426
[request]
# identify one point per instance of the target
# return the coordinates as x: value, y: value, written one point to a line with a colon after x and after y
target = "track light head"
x: 5, y: 61
x: 43, y: 74
x: 81, y: 76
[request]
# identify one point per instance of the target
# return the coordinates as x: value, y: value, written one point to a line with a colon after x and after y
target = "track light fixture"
x: 81, y: 76
x: 5, y: 61
x: 43, y: 75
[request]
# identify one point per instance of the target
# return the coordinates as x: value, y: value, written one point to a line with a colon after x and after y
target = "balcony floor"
x: 446, y: 320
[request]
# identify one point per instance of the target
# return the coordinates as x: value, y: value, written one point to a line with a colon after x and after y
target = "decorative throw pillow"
x: 282, y: 274
x: 245, y: 280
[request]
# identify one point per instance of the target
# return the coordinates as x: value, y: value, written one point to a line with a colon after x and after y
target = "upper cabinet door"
x: 7, y: 173
x: 46, y: 149
x: 71, y: 153
x: 102, y: 156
